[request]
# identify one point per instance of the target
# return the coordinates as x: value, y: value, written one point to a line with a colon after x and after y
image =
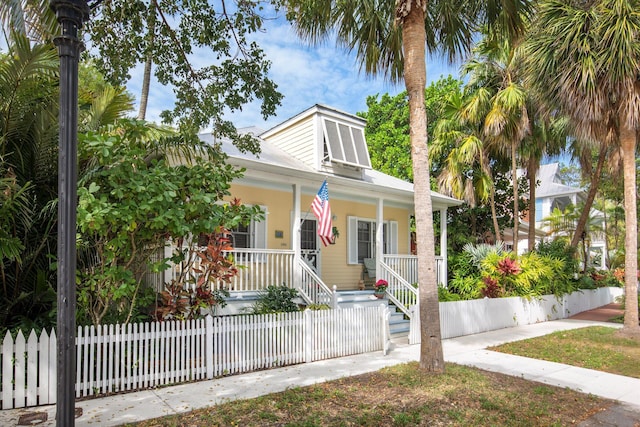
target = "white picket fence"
x: 458, y: 318
x: 115, y: 358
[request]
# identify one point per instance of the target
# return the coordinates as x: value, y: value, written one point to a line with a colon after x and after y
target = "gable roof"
x: 550, y: 183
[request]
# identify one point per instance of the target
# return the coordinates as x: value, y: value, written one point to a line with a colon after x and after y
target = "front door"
x: 309, y: 243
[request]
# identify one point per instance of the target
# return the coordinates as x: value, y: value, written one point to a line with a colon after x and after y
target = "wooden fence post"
x: 308, y: 336
x: 208, y: 334
x: 334, y: 298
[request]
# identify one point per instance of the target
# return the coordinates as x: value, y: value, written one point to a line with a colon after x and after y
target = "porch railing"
x: 400, y: 292
x: 313, y: 290
x: 257, y: 268
x: 407, y: 267
x: 401, y: 272
x: 260, y: 268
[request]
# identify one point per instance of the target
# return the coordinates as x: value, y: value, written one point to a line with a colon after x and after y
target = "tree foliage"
x: 175, y: 36
x: 201, y: 49
x: 28, y: 183
x: 387, y: 128
x: 132, y: 203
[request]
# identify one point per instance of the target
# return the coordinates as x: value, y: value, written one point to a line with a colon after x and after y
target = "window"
x: 252, y: 235
x: 366, y: 240
x: 362, y: 239
x: 242, y: 236
x: 345, y: 144
x: 308, y: 234
x: 560, y: 203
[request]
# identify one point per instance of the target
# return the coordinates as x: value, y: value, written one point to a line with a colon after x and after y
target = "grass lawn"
x: 595, y: 347
x: 463, y: 396
x: 403, y: 396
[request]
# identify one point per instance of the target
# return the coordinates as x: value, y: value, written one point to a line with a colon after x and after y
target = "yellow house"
x: 371, y: 211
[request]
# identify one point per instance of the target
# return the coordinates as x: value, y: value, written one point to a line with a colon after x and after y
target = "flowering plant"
x: 381, y: 285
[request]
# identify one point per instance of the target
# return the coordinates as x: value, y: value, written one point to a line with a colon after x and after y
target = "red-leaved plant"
x: 491, y: 288
x: 508, y: 267
x: 209, y: 280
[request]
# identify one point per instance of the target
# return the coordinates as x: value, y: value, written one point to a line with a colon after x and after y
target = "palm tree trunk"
x: 494, y: 214
x: 146, y: 79
x: 532, y: 171
x: 516, y: 211
x: 144, y: 93
x: 628, y: 143
x: 593, y: 189
x: 492, y: 202
x: 415, y: 75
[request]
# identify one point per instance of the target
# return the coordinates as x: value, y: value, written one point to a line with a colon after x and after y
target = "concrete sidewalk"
x: 467, y: 350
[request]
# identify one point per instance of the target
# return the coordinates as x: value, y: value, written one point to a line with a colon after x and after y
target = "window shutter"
x: 352, y: 240
x: 392, y: 237
x: 260, y: 231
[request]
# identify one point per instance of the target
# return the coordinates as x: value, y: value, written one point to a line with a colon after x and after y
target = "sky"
x: 305, y: 76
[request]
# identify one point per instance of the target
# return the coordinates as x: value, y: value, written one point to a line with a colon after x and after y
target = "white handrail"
x: 400, y: 292
x: 312, y: 289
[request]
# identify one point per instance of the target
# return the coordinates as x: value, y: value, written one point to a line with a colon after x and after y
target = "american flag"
x: 322, y: 211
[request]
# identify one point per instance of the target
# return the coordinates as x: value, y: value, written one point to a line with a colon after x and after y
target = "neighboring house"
x: 523, y: 233
x: 371, y: 210
x: 552, y: 193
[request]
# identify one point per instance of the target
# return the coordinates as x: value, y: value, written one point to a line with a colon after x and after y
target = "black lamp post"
x: 70, y: 14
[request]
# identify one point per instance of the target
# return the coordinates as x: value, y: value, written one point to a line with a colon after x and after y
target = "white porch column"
x: 379, y: 236
x: 443, y: 245
x: 295, y: 237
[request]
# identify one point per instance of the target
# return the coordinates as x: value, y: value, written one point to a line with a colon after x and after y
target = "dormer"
x: 325, y: 139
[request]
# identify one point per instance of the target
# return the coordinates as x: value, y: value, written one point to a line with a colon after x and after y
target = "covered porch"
x: 283, y: 249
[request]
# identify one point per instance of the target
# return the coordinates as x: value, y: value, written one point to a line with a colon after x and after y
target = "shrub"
x: 607, y: 278
x: 178, y: 303
x: 479, y: 252
x: 528, y: 275
x: 318, y: 307
x: 491, y: 288
x: 461, y: 265
x: 445, y: 295
x: 586, y: 282
x: 466, y: 287
x: 276, y: 299
x: 548, y: 270
x: 560, y: 249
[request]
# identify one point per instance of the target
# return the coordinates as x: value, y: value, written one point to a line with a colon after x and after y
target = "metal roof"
x: 274, y: 165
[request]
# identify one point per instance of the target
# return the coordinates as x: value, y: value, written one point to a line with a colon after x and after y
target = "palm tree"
x: 30, y: 18
x: 28, y: 178
x: 467, y: 170
x: 585, y: 58
x: 392, y: 39
x: 493, y: 76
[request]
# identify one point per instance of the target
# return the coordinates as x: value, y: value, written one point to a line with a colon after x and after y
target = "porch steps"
x: 348, y: 299
x: 398, y: 324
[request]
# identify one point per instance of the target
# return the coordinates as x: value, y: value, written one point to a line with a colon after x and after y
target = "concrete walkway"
x: 467, y: 350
